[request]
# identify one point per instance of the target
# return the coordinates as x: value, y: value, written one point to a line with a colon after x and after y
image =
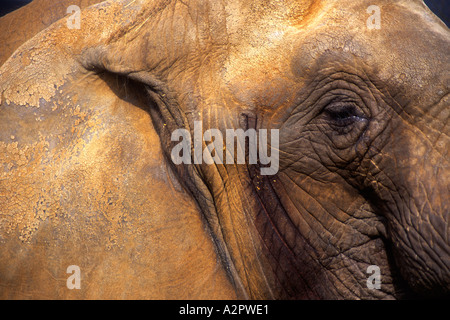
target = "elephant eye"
x: 342, y: 115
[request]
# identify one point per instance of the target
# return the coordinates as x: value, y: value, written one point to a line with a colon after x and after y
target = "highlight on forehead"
x: 291, y: 12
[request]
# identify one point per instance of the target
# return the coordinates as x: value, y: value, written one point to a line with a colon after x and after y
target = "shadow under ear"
x: 126, y: 89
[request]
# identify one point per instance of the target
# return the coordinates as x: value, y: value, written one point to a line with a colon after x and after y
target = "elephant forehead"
x: 252, y: 73
x: 408, y: 48
x: 261, y: 47
x: 245, y: 16
x: 277, y: 56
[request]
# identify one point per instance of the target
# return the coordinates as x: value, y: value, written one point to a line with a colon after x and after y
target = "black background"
x: 7, y: 6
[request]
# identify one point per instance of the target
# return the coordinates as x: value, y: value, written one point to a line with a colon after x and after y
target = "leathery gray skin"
x: 363, y: 126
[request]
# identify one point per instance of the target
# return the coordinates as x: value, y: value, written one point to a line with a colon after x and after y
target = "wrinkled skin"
x: 86, y: 118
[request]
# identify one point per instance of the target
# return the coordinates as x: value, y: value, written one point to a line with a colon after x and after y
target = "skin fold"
x: 86, y: 178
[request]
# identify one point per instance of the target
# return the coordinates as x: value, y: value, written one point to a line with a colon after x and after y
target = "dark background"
x: 7, y: 6
x: 440, y: 7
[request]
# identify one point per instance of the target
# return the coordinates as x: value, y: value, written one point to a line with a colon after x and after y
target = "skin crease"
x: 86, y: 118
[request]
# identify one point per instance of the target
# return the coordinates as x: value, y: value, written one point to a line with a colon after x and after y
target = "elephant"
x: 29, y: 20
x: 92, y: 205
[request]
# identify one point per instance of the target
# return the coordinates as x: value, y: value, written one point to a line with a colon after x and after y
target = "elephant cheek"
x: 413, y: 188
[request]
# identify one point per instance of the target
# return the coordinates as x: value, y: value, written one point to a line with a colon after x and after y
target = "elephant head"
x: 362, y: 117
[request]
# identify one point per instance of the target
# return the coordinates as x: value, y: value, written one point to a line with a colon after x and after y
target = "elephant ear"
x: 24, y: 23
x: 63, y: 44
x: 83, y: 180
